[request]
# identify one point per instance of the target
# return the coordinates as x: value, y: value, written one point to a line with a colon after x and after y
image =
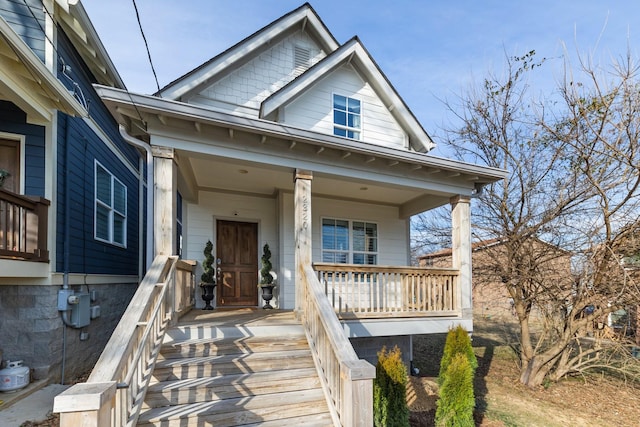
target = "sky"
x: 430, y: 50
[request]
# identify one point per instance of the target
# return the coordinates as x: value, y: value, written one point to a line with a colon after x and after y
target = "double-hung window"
x: 349, y: 242
x: 347, y: 118
x: 110, y: 207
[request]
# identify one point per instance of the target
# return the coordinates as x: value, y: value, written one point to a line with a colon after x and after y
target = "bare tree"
x: 574, y: 163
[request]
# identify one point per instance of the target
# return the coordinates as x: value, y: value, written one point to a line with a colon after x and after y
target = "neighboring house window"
x: 349, y: 242
x: 111, y: 208
x: 10, y: 165
x: 346, y: 117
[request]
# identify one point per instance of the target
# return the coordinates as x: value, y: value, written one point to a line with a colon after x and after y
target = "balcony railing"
x: 23, y: 227
x: 360, y: 291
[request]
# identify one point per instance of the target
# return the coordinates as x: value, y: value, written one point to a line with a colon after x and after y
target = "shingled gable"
x: 303, y: 18
x: 354, y: 54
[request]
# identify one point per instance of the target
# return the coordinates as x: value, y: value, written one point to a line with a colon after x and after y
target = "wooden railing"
x: 114, y: 392
x: 347, y: 380
x: 23, y: 227
x: 379, y: 291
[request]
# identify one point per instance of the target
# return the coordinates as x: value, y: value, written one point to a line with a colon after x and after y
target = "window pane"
x: 341, y: 257
x: 118, y: 229
x: 339, y: 132
x: 340, y: 118
x: 354, y: 121
x: 358, y: 236
x: 119, y: 197
x: 372, y: 259
x: 102, y: 222
x: 358, y: 258
x: 339, y: 102
x: 103, y: 185
x: 328, y: 257
x: 342, y: 235
x: 354, y: 106
x: 353, y: 135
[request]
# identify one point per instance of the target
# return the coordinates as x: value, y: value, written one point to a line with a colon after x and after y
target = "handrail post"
x: 86, y: 404
x: 357, y: 393
x: 41, y: 212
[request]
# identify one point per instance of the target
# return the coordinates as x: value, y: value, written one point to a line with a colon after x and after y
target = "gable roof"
x: 303, y: 18
x: 487, y: 244
x: 355, y: 54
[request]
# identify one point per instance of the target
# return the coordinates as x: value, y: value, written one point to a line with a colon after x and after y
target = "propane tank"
x: 14, y: 376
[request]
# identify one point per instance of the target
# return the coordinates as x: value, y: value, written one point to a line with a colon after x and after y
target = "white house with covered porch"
x: 291, y: 139
x: 289, y: 114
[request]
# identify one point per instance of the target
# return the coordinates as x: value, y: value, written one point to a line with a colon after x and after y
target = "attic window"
x: 301, y: 58
x: 346, y: 117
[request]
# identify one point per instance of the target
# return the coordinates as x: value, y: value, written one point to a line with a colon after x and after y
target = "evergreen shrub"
x: 390, y: 390
x: 456, y: 402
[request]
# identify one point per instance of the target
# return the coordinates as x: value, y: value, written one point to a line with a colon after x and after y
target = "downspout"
x: 150, y: 188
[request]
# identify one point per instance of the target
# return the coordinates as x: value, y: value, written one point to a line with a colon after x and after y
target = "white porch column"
x: 461, y: 253
x: 302, y: 225
x: 165, y: 177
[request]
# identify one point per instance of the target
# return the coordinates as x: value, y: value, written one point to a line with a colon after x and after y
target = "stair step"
x: 194, y: 390
x: 218, y: 346
x: 211, y: 366
x: 279, y: 408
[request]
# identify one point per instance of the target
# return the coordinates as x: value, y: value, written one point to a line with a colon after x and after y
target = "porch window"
x: 110, y: 207
x: 346, y: 117
x: 349, y: 242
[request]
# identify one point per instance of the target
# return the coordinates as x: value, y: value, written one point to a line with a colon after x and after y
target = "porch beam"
x: 165, y: 175
x: 302, y: 224
x: 461, y: 250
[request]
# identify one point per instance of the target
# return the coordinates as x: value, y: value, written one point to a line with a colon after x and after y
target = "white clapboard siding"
x: 313, y: 110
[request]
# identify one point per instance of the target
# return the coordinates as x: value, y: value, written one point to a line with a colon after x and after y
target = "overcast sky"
x: 429, y: 50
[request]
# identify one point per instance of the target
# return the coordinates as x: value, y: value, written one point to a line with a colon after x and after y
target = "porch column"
x: 165, y: 177
x: 302, y: 225
x: 461, y: 250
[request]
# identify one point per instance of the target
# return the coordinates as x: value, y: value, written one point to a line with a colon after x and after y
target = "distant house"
x: 290, y: 129
x: 72, y: 240
x: 490, y: 296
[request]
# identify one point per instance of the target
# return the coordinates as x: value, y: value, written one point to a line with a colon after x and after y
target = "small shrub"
x: 458, y: 341
x: 456, y: 402
x: 390, y: 390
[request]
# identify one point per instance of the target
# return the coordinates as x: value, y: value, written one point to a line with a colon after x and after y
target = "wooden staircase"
x: 235, y: 368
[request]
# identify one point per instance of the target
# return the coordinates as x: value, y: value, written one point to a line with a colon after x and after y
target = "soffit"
x: 28, y: 83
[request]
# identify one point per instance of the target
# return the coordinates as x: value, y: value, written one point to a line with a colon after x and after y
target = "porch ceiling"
x: 212, y: 174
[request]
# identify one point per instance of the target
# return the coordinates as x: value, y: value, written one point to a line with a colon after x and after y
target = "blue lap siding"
x: 78, y: 150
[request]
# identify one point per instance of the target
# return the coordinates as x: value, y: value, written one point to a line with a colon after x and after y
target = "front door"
x: 237, y: 253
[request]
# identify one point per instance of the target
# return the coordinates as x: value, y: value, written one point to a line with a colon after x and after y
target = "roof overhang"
x: 203, y: 132
x: 74, y: 20
x: 29, y: 84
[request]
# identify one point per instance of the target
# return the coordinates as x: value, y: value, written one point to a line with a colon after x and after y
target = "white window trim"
x: 351, y: 251
x: 110, y: 208
x: 360, y: 130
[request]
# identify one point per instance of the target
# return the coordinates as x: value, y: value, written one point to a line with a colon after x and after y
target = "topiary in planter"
x: 208, y: 271
x: 266, y: 278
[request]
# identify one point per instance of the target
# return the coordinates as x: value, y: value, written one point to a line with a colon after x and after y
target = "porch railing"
x: 347, y: 379
x: 23, y: 227
x: 114, y: 392
x: 379, y: 291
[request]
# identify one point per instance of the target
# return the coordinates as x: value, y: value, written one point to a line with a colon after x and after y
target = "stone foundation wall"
x: 32, y: 330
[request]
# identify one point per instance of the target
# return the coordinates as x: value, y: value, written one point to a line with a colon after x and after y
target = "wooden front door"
x: 237, y: 253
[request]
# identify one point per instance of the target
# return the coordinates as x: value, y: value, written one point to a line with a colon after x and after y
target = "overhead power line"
x: 135, y: 6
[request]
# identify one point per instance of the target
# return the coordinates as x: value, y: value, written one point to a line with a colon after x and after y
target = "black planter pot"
x: 207, y: 294
x: 267, y: 295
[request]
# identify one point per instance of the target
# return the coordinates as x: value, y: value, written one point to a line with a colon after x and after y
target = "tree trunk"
x: 534, y: 373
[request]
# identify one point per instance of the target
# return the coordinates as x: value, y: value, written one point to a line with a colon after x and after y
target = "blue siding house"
x: 72, y: 193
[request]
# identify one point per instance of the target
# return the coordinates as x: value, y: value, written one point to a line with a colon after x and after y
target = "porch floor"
x: 243, y: 315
